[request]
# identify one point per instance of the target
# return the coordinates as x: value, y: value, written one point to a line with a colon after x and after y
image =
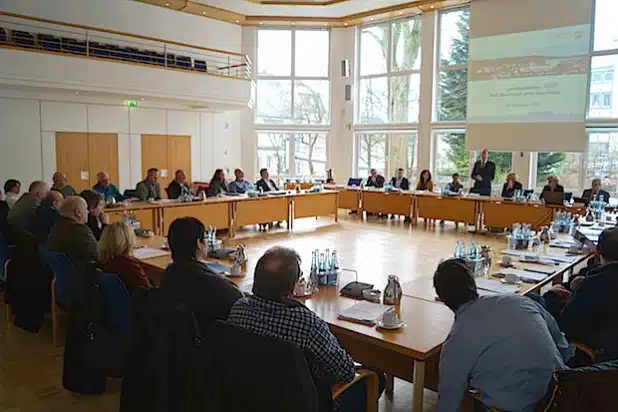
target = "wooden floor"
x: 31, y: 367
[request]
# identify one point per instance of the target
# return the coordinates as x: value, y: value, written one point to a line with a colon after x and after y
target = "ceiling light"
x: 326, y: 24
x: 293, y: 24
x: 76, y: 93
x: 261, y: 22
x: 372, y: 19
x: 204, y: 13
x: 400, y: 13
x: 432, y: 6
x: 237, y: 21
x: 167, y: 4
x: 345, y: 24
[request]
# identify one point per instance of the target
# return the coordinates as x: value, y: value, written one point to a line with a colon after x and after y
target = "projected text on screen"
x: 536, y: 76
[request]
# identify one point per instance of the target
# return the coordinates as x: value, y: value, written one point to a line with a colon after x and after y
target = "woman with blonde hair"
x: 511, y: 185
x: 116, y: 245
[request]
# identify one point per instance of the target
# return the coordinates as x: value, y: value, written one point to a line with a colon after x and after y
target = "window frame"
x: 291, y: 150
x: 439, y: 68
x: 389, y: 75
x: 388, y: 169
x: 293, y: 79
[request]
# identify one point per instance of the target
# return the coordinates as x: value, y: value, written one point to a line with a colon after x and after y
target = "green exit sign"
x: 132, y: 103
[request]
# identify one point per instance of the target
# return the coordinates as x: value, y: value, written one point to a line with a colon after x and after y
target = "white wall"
x: 28, y: 136
x: 136, y: 18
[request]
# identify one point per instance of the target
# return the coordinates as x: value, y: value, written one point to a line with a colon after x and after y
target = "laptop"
x: 554, y: 198
x: 354, y: 181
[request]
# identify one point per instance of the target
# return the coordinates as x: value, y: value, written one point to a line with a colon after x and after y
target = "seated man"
x: 27, y: 204
x: 240, y: 185
x: 551, y: 186
x: 61, y: 185
x: 400, y: 182
x: 45, y: 216
x: 591, y: 313
x: 149, y: 188
x: 266, y: 184
x: 375, y: 179
x: 70, y: 235
x: 455, y: 186
x: 188, y: 280
x: 106, y: 188
x: 178, y: 186
x: 596, y: 191
x: 505, y: 346
x: 271, y: 311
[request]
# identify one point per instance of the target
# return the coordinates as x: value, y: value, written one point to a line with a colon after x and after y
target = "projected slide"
x: 527, y: 77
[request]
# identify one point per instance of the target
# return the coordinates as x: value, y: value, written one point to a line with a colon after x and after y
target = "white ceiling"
x: 336, y: 10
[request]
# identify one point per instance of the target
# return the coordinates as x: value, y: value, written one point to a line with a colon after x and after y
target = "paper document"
x: 149, y: 252
x: 365, y: 312
x: 524, y: 275
x: 496, y: 286
x: 559, y: 257
x: 564, y: 243
x: 514, y: 252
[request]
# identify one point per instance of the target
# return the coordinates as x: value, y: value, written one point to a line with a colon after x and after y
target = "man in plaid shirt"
x: 271, y: 312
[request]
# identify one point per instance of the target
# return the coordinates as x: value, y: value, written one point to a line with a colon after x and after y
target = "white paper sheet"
x: 149, y: 252
x: 496, y: 286
x: 365, y: 312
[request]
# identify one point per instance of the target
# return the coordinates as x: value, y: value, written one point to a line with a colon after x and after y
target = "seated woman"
x: 117, y: 244
x: 97, y: 218
x: 511, y: 185
x: 425, y: 182
x: 218, y: 185
x: 551, y: 186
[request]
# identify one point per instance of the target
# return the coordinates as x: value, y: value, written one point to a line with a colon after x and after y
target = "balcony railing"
x: 49, y: 36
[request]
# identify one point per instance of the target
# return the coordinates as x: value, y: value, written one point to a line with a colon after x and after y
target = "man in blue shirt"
x: 240, y: 185
x: 505, y: 346
x: 106, y: 188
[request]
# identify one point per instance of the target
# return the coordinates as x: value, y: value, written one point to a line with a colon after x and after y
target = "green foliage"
x: 549, y: 164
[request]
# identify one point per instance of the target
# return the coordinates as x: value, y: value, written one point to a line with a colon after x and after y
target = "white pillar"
x: 428, y: 53
x: 248, y: 138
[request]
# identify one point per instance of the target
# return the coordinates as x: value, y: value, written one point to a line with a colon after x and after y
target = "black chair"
x: 23, y: 39
x: 96, y: 49
x: 528, y: 192
x: 49, y: 42
x: 73, y: 46
x: 184, y: 62
x: 2, y: 36
x: 158, y: 58
x: 130, y: 193
x: 200, y: 65
x: 568, y: 196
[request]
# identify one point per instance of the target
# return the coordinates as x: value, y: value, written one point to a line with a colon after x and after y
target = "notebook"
x: 365, y: 312
x: 149, y: 252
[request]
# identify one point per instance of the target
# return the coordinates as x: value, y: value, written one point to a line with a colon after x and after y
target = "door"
x: 72, y: 159
x: 179, y: 152
x: 155, y: 154
x: 103, y: 149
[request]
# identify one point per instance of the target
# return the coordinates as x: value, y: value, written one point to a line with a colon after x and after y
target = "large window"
x: 451, y: 156
x: 389, y: 75
x: 292, y: 81
x: 387, y: 152
x: 452, y: 87
x: 602, y: 159
x: 300, y: 155
x: 603, y: 84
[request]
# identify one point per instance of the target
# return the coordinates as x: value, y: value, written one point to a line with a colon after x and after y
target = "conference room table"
x: 479, y: 211
x: 410, y: 353
x: 230, y: 212
x: 423, y: 288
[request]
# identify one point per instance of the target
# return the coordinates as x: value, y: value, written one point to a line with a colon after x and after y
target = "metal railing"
x: 48, y: 36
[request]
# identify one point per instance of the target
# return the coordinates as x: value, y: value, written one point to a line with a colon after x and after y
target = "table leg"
x: 390, y: 387
x: 418, y: 386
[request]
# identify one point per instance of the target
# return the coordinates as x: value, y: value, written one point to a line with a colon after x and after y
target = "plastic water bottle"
x: 460, y: 250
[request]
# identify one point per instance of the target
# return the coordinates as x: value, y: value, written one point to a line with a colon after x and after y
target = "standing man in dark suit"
x: 483, y: 174
x: 266, y: 183
x: 400, y: 182
x: 375, y: 180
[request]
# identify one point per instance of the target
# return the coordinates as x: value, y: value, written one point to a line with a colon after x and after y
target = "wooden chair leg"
x: 9, y: 315
x: 371, y: 394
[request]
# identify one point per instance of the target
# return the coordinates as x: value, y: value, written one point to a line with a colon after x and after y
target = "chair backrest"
x: 61, y: 266
x: 280, y: 376
x: 130, y: 193
x: 591, y: 388
x: 5, y: 254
